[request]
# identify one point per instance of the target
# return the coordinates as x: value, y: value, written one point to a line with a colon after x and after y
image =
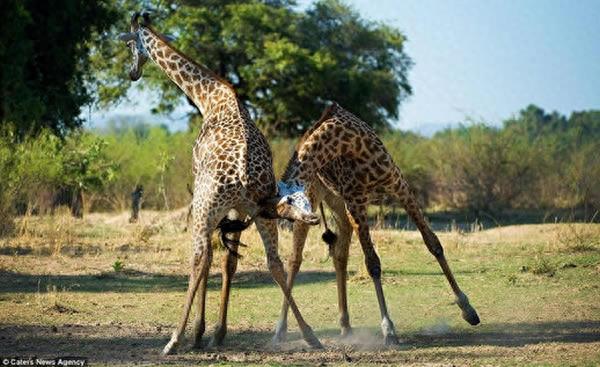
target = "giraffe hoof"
x: 218, y: 337
x: 170, y: 347
x: 346, y: 333
x: 391, y: 340
x: 197, y: 344
x: 198, y: 333
x: 311, y: 339
x: 315, y: 343
x: 280, y: 333
x: 468, y: 312
x: 470, y: 315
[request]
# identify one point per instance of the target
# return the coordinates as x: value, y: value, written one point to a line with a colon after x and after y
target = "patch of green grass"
x: 118, y: 266
x: 540, y: 266
x: 126, y: 315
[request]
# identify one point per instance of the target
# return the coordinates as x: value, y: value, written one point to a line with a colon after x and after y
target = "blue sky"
x: 481, y: 60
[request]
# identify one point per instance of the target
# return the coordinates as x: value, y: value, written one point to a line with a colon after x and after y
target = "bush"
x: 483, y: 169
x: 535, y: 160
x: 37, y: 168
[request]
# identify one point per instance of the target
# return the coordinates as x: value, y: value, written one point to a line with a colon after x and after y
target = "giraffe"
x: 233, y: 178
x: 341, y: 161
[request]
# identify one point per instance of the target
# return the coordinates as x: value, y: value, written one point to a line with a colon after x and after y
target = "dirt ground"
x: 122, y: 344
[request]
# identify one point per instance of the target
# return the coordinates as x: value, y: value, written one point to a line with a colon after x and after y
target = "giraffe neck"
x: 200, y: 84
x: 297, y: 173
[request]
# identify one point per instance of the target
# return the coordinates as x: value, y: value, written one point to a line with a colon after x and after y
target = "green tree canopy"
x: 44, y: 64
x: 534, y: 122
x: 284, y: 63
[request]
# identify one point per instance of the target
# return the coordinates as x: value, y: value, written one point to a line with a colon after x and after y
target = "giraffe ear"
x: 134, y: 21
x: 146, y: 17
x: 125, y: 37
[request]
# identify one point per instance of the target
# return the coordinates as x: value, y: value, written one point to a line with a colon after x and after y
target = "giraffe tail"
x: 231, y: 226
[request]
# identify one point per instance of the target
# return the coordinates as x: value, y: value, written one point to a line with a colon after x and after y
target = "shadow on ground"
x: 137, y: 281
x: 116, y: 343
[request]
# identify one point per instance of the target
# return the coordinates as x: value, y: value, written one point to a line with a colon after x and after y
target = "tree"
x: 44, y: 65
x: 484, y: 169
x: 86, y: 167
x: 285, y: 64
x: 534, y: 122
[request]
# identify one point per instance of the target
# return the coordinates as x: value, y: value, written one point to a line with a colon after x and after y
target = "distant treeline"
x: 535, y: 160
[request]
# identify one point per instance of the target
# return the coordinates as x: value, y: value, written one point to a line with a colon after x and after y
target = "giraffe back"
x: 365, y: 164
x: 232, y: 152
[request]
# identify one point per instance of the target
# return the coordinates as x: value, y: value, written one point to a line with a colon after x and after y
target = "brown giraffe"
x: 233, y: 177
x: 342, y: 161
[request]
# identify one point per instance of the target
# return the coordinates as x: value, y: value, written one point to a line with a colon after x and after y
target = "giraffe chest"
x: 216, y: 154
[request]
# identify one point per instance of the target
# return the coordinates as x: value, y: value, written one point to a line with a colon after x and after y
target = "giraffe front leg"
x: 200, y: 262
x: 268, y: 233
x: 200, y: 321
x: 339, y: 255
x: 300, y: 233
x: 433, y: 244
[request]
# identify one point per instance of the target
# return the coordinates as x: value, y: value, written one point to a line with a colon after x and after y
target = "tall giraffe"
x: 342, y: 161
x: 233, y: 177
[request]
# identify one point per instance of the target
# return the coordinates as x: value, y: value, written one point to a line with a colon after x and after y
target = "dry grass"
x: 60, y: 293
x: 578, y: 237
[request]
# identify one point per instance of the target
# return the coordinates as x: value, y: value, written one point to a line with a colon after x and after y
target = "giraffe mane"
x: 197, y: 64
x: 327, y: 113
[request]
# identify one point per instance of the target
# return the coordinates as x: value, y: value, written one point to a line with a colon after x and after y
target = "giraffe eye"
x: 290, y: 200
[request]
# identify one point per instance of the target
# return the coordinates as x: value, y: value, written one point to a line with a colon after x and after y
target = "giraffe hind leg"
x: 204, y: 225
x: 357, y: 215
x: 435, y: 248
x: 200, y: 262
x: 339, y: 251
x: 200, y: 321
x: 300, y: 231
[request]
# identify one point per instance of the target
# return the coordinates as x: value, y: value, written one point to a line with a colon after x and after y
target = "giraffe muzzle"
x: 292, y: 213
x: 135, y: 75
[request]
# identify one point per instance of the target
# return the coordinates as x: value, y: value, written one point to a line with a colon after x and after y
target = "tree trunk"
x: 136, y: 203
x: 77, y: 203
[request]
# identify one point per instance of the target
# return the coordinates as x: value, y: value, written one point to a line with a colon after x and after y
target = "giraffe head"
x: 290, y: 203
x: 294, y: 204
x: 134, y: 40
